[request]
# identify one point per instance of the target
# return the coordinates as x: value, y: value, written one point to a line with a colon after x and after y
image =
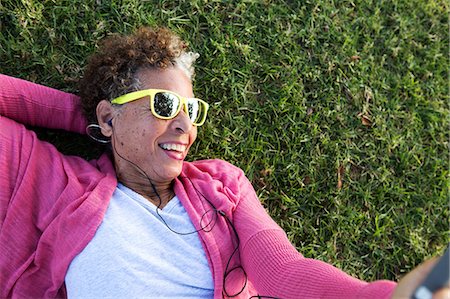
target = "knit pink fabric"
x: 51, y: 206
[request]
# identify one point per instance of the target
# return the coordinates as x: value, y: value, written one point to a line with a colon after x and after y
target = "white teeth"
x: 173, y: 147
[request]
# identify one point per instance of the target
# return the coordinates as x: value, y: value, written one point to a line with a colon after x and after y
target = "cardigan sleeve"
x: 37, y: 105
x: 44, y: 195
x: 277, y: 269
x: 24, y: 102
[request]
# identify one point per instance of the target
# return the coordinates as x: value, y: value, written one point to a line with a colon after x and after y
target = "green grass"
x: 336, y: 110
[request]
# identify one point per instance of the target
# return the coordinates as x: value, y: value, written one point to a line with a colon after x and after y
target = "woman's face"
x: 157, y: 146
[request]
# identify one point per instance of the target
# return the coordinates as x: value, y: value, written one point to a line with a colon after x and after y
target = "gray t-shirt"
x: 134, y: 254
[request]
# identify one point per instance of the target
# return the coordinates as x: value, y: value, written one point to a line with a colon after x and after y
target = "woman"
x: 139, y: 221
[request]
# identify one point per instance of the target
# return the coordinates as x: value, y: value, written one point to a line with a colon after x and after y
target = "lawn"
x: 337, y: 111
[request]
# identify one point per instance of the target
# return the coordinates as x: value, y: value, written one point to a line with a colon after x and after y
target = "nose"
x: 182, y: 123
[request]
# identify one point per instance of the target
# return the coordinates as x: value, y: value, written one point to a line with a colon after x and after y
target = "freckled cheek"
x: 144, y: 140
x: 145, y: 134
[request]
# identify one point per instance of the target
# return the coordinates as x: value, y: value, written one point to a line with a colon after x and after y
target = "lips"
x: 174, y: 150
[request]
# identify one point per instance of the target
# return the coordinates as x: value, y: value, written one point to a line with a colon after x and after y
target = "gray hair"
x: 186, y: 62
x: 129, y: 82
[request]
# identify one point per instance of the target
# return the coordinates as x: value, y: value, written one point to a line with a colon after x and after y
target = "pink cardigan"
x: 52, y: 204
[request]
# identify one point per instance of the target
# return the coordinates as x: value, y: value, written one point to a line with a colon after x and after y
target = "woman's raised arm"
x: 37, y: 105
x: 276, y: 268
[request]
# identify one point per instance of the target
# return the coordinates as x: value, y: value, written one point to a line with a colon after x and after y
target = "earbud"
x: 110, y: 123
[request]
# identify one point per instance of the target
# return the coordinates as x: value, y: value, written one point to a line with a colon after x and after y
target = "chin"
x: 173, y: 173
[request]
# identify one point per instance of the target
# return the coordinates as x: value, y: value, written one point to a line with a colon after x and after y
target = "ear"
x: 105, y: 112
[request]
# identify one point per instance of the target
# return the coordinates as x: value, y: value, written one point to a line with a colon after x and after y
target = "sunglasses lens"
x: 166, y: 104
x: 196, y: 111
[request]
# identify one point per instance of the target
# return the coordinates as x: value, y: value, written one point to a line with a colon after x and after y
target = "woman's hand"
x: 412, y: 280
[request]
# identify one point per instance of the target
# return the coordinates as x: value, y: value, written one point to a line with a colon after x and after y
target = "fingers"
x: 443, y: 293
x: 419, y: 273
x: 412, y: 280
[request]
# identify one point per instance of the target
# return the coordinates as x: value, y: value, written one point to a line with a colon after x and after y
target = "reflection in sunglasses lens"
x: 166, y: 104
x: 193, y: 110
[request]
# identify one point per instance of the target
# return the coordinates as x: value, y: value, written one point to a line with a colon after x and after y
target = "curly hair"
x: 111, y: 71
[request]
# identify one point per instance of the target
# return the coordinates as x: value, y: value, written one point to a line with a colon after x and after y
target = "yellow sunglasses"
x: 166, y: 104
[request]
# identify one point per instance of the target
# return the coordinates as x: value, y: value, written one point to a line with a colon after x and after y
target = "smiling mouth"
x: 173, y: 147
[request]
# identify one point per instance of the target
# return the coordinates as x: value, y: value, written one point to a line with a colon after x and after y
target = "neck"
x: 157, y: 193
